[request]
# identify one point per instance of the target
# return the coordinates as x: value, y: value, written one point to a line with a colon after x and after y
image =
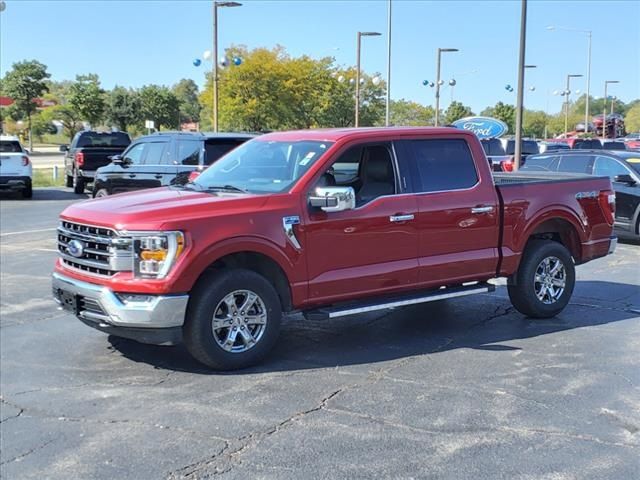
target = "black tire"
x: 102, y: 192
x: 27, y: 192
x: 523, y: 288
x: 78, y: 183
x: 69, y: 182
x: 207, y: 300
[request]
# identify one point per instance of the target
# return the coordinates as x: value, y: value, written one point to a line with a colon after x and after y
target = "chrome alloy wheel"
x: 239, y: 321
x: 550, y: 280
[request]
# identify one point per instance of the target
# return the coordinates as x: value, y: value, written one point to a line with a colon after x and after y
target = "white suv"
x: 15, y: 167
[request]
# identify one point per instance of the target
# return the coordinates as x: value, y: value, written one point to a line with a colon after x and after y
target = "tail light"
x: 607, y: 201
x: 79, y: 159
x: 25, y: 161
x: 507, y: 165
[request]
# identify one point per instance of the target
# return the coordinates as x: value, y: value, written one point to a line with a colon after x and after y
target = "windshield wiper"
x: 226, y: 187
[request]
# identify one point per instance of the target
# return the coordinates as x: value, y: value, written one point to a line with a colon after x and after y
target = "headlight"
x: 155, y: 254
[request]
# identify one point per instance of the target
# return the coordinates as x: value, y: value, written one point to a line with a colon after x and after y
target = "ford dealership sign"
x: 483, y: 127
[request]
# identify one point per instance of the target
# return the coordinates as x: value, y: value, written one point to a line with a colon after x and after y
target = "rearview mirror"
x: 626, y: 178
x: 64, y: 148
x: 333, y: 199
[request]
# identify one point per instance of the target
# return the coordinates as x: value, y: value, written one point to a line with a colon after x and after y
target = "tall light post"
x: 440, y: 50
x: 360, y: 35
x: 604, y: 110
x: 387, y: 114
x: 586, y: 105
x: 521, y: 67
x: 216, y: 5
x: 567, y: 93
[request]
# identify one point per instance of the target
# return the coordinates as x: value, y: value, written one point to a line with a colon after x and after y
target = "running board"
x: 351, y: 308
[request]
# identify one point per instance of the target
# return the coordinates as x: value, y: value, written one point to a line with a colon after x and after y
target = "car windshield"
x: 262, y: 166
x: 10, y: 146
x: 529, y: 147
x: 492, y: 146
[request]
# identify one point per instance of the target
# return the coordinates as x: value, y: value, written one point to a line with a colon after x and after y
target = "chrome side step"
x: 351, y: 308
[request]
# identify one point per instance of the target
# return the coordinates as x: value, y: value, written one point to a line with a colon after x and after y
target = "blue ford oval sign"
x: 483, y: 127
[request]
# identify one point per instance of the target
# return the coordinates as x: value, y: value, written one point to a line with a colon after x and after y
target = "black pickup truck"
x: 89, y: 151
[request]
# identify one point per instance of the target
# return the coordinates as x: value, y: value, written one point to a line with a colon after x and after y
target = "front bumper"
x: 101, y: 308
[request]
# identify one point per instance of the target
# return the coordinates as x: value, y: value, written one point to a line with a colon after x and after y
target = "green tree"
x: 504, y: 112
x: 407, y: 113
x: 41, y: 125
x: 159, y: 104
x: 24, y: 83
x: 67, y: 116
x: 87, y: 98
x: 632, y: 120
x: 456, y: 111
x: 123, y: 107
x: 534, y: 123
x: 186, y: 91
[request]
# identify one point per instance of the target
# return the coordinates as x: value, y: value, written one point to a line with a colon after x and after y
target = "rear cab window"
x: 576, y: 163
x: 441, y: 165
x: 108, y: 139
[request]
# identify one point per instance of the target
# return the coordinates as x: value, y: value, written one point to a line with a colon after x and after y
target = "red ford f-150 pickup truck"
x: 328, y: 223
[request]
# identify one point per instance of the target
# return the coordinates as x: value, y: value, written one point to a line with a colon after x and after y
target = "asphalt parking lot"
x: 457, y: 389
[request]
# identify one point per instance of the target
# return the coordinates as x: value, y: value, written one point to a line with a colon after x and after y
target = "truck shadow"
x: 484, y: 322
x: 45, y: 193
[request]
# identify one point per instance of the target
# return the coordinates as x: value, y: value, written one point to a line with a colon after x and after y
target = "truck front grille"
x: 92, y: 249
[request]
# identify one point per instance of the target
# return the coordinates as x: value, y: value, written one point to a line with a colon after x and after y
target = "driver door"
x: 371, y: 249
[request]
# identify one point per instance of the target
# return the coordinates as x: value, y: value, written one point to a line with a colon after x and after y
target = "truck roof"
x: 335, y: 134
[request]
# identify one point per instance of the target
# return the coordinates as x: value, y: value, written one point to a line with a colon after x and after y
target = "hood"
x: 149, y: 209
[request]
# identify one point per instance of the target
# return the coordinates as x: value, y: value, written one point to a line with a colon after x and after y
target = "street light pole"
x: 521, y: 67
x: 214, y: 60
x: 604, y: 110
x: 358, y: 48
x: 566, y: 105
x: 387, y: 115
x: 440, y: 50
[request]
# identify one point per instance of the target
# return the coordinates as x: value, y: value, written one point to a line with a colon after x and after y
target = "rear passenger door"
x: 458, y: 212
x: 626, y: 195
x: 152, y: 170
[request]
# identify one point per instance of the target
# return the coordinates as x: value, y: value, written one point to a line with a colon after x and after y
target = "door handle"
x: 401, y: 218
x: 132, y: 175
x: 158, y: 176
x: 482, y: 209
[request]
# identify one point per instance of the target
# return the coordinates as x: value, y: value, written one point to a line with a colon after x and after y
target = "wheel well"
x: 261, y: 264
x: 560, y: 231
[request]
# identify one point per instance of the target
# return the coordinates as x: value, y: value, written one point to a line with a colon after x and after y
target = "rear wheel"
x: 27, y: 192
x: 233, y: 319
x: 544, y: 282
x: 78, y: 183
x: 101, y: 193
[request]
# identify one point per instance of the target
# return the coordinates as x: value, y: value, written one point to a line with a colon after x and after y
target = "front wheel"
x: 544, y: 282
x: 233, y: 319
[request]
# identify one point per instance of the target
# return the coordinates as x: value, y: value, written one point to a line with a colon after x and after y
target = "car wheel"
x: 27, y: 192
x: 69, y: 182
x: 233, y: 319
x: 78, y: 183
x: 544, y: 282
x: 101, y: 193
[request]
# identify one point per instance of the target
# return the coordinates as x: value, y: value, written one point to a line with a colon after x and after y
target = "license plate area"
x: 68, y: 301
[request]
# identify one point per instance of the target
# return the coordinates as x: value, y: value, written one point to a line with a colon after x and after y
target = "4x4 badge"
x: 287, y: 224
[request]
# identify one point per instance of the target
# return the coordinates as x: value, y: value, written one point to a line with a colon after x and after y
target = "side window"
x: 345, y: 169
x: 213, y: 150
x: 189, y: 152
x: 443, y: 165
x: 156, y: 153
x: 135, y: 153
x: 575, y: 163
x: 541, y: 163
x: 609, y: 167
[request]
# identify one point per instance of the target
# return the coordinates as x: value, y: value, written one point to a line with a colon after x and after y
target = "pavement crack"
x: 20, y: 410
x: 23, y: 455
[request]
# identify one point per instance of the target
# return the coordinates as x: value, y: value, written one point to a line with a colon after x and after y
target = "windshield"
x: 529, y: 147
x: 262, y: 166
x: 10, y: 146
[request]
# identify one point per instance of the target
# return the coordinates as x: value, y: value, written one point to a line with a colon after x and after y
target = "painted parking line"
x: 27, y: 231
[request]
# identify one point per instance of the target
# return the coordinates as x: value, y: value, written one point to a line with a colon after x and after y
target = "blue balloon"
x: 197, y: 62
x: 425, y: 82
x: 508, y: 88
x: 237, y: 60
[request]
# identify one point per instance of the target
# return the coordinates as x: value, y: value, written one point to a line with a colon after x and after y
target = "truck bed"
x: 520, y: 178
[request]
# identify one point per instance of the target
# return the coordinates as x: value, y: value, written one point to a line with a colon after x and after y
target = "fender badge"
x: 287, y: 224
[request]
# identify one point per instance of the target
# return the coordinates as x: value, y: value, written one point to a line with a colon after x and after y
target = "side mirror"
x: 117, y: 159
x: 64, y: 148
x: 626, y: 178
x: 333, y: 199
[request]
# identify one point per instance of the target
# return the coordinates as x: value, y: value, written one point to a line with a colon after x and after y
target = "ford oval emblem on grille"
x: 75, y: 248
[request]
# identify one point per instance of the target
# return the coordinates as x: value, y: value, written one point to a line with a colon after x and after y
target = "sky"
x: 138, y: 42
